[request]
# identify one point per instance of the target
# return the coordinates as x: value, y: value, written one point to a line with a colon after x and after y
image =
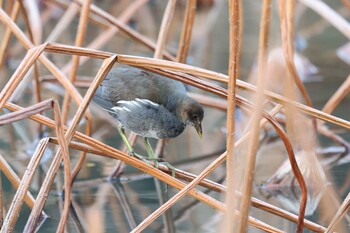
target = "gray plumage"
x: 148, y: 104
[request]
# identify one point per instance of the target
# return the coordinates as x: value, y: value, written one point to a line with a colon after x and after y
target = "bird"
x: 147, y: 104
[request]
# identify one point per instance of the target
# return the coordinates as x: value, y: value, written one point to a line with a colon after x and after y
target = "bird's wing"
x: 147, y: 118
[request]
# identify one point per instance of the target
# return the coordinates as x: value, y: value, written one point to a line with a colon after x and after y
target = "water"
x: 119, y: 205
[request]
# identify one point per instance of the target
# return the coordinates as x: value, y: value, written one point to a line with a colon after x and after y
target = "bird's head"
x: 192, y: 113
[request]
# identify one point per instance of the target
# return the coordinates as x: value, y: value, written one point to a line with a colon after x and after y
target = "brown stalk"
x: 82, y: 158
x: 80, y: 37
x: 254, y: 222
x: 98, y: 42
x: 7, y: 34
x: 337, y: 97
x: 287, y: 143
x: 186, y: 33
x: 33, y: 22
x: 141, y: 62
x: 14, y: 180
x: 66, y: 161
x: 126, y: 29
x: 63, y: 23
x: 79, y: 40
x: 259, y: 100
x: 342, y: 211
x: 16, y: 78
x: 346, y: 3
x: 209, y: 101
x: 233, y: 71
x: 188, y: 188
x: 164, y: 28
x: 116, y: 154
x: 301, y: 107
x: 49, y: 65
x: 22, y: 191
x: 33, y: 218
x: 65, y: 5
x: 18, y: 199
x: 330, y: 15
x: 25, y: 112
x: 158, y: 54
x: 103, y: 38
x: 113, y: 153
x: 286, y: 13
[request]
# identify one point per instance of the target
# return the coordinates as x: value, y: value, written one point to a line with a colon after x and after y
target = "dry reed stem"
x: 99, y: 41
x: 7, y: 34
x: 301, y: 107
x: 103, y: 38
x: 233, y: 71
x: 164, y: 28
x: 79, y: 40
x: 63, y: 23
x: 141, y: 62
x: 146, y: 222
x: 46, y: 62
x: 26, y: 20
x: 65, y: 5
x: 337, y: 97
x: 346, y: 3
x: 34, y: 20
x: 248, y: 176
x: 246, y: 104
x: 18, y: 75
x: 342, y: 211
x: 66, y: 161
x: 104, y: 150
x: 190, y: 186
x: 37, y: 89
x: 15, y: 180
x: 158, y: 53
x: 25, y: 112
x: 116, y: 154
x: 17, y: 201
x: 126, y: 29
x: 286, y: 13
x: 55, y: 71
x: 185, y: 40
x: 330, y: 15
x: 82, y: 158
x: 209, y: 101
x: 33, y: 218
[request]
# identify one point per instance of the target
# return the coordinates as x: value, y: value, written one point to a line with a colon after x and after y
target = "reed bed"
x: 71, y: 117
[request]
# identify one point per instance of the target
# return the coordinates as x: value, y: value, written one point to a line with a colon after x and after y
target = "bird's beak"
x: 199, y: 130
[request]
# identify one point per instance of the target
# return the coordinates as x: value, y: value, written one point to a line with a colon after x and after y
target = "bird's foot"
x: 171, y: 167
x: 156, y: 162
x: 140, y: 157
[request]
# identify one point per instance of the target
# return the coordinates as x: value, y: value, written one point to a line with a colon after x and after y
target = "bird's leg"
x: 152, y: 156
x: 121, y: 131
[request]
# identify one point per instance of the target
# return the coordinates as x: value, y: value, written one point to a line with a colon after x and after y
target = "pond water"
x: 118, y: 205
